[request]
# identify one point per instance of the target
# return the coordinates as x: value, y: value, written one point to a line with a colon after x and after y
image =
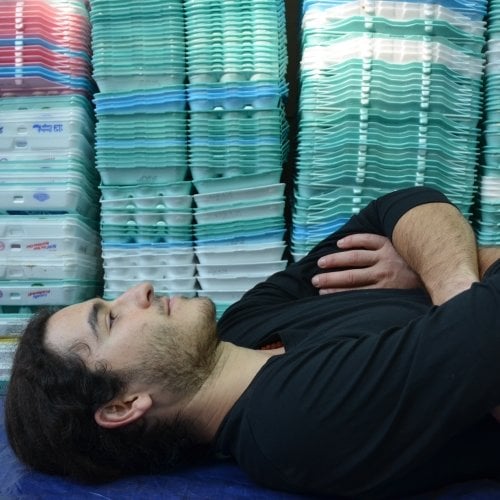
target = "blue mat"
x: 216, y: 480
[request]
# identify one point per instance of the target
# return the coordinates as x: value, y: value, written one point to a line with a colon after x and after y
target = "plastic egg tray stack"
x: 44, y: 47
x: 238, y: 142
x: 49, y: 244
x: 487, y: 218
x: 141, y: 145
x: 391, y: 97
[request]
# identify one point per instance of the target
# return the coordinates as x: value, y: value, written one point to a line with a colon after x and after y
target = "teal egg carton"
x: 139, y: 169
x: 465, y: 37
x: 475, y: 9
x: 165, y: 101
x: 244, y: 95
x: 235, y: 182
x: 110, y: 192
x: 255, y: 237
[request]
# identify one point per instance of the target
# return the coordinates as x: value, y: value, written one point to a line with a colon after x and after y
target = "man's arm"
x: 439, y: 245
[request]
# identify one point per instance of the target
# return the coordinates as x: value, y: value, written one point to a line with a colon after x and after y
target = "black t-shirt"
x: 373, y: 383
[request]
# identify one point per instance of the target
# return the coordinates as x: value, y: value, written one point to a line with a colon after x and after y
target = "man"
x: 371, y: 392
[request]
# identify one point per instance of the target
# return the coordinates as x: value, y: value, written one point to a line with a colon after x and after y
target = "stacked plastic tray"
x: 44, y: 46
x: 49, y: 203
x: 390, y: 97
x: 487, y: 218
x: 238, y: 142
x: 141, y: 145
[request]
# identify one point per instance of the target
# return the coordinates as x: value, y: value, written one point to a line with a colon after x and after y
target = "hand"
x: 369, y: 261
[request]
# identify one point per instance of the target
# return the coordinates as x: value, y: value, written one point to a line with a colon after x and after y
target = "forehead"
x: 70, y: 326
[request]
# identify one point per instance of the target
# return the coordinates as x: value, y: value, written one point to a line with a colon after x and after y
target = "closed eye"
x: 111, y: 319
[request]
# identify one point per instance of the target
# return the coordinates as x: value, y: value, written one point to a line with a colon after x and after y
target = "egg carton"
x: 46, y: 293
x: 148, y: 272
x: 239, y: 254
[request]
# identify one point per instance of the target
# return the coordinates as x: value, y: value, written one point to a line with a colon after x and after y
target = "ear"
x: 123, y: 410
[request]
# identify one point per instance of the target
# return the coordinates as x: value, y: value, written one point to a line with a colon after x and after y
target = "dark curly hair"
x: 49, y: 414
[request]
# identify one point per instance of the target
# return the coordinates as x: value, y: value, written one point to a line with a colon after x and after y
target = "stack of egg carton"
x: 236, y: 63
x: 487, y: 217
x: 49, y: 242
x: 141, y: 145
x: 391, y: 97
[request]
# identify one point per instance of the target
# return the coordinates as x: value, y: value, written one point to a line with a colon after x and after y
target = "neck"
x: 235, y: 369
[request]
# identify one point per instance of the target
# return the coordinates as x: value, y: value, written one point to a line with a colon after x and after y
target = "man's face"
x: 163, y: 339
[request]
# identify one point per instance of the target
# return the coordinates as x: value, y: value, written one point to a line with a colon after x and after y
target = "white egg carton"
x: 40, y: 142
x: 54, y: 247
x: 239, y: 254
x: 45, y: 293
x: 46, y: 226
x: 247, y: 195
x: 125, y: 257
x: 228, y: 283
x: 64, y: 268
x: 148, y: 272
x: 160, y: 285
x: 112, y: 294
x: 238, y: 213
x: 56, y: 127
x: 244, y: 269
x: 67, y: 197
x: 222, y: 296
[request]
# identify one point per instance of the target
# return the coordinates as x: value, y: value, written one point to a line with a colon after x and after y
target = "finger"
x: 327, y: 291
x: 350, y: 278
x: 349, y: 258
x: 368, y: 241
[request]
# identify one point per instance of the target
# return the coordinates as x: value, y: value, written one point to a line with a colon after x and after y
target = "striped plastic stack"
x: 238, y: 141
x: 487, y: 216
x: 390, y: 97
x: 141, y: 145
x: 49, y: 242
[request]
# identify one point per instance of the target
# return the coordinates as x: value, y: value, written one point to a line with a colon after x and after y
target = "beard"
x: 181, y: 357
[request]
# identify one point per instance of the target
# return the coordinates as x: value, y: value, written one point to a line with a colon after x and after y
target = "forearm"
x: 439, y: 245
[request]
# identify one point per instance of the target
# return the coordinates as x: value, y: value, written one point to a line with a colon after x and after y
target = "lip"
x: 166, y: 304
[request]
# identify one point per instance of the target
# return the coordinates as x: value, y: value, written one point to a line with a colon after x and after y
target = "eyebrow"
x: 92, y: 319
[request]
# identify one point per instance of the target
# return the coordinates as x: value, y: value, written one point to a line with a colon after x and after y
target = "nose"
x: 140, y: 295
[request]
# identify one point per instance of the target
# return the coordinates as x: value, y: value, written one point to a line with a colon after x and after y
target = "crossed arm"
x: 444, y: 253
